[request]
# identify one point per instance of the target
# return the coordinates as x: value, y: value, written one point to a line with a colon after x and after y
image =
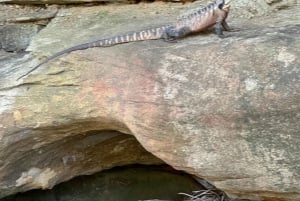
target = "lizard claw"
x: 170, y: 39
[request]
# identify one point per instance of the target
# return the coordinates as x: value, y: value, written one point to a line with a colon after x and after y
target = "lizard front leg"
x: 219, y: 29
x: 222, y: 25
x: 221, y: 12
x: 225, y: 26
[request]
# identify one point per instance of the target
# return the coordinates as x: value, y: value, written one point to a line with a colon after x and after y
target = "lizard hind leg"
x: 172, y: 34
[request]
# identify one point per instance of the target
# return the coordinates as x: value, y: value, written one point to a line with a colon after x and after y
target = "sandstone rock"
x: 25, y: 14
x: 225, y: 110
x: 16, y: 31
x: 62, y: 1
x: 16, y: 37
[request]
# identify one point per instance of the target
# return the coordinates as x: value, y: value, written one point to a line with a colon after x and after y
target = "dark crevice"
x: 124, y: 183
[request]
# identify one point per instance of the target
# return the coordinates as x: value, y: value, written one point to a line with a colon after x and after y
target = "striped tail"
x: 149, y: 34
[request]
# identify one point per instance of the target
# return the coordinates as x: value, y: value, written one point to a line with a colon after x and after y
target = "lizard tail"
x: 149, y: 34
x: 71, y: 49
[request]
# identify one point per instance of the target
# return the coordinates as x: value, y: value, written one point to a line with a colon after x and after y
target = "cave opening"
x: 103, y: 165
x: 124, y: 183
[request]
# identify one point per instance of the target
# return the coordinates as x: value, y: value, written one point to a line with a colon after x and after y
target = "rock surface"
x: 18, y: 25
x: 59, y: 1
x: 225, y: 110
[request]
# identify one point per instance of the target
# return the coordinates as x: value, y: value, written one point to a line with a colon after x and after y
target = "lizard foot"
x: 222, y: 36
x: 170, y: 40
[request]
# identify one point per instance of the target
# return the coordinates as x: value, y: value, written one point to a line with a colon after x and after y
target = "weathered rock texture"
x: 225, y: 110
x: 19, y: 24
x: 60, y: 1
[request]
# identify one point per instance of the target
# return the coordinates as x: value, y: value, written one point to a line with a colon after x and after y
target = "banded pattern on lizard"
x: 213, y: 14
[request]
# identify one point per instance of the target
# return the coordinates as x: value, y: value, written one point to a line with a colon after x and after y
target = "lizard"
x: 214, y: 13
